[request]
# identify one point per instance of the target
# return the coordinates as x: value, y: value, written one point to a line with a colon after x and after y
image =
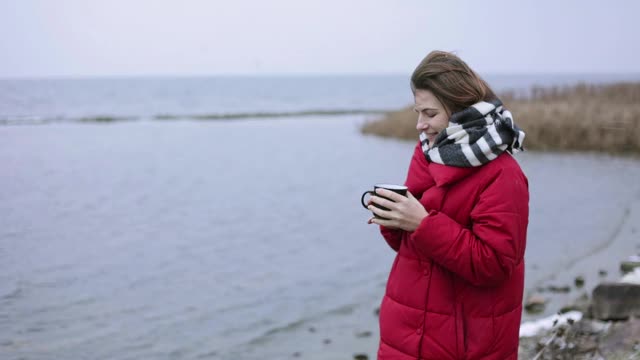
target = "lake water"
x: 237, y: 239
x: 37, y: 101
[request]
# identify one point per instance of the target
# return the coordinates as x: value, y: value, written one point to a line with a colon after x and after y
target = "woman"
x: 456, y: 285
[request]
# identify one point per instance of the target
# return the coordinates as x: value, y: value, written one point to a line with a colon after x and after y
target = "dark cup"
x: 400, y: 189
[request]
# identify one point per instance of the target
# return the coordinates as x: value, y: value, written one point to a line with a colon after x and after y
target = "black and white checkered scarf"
x: 475, y: 136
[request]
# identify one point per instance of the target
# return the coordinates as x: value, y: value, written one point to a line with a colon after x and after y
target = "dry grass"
x: 603, y: 118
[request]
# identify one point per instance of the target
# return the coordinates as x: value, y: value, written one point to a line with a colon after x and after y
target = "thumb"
x: 410, y: 195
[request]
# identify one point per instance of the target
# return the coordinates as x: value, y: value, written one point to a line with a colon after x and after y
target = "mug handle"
x: 365, y: 194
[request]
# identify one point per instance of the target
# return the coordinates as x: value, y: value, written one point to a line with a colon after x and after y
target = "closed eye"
x: 426, y: 112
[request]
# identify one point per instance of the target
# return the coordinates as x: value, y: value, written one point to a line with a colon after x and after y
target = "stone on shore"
x: 602, y: 272
x: 558, y: 289
x: 629, y: 266
x: 615, y: 301
x: 535, y: 304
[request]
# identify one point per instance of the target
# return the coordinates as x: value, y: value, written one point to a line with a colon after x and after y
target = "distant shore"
x: 600, y: 118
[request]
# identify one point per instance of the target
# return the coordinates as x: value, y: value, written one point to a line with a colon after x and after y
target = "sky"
x: 84, y: 38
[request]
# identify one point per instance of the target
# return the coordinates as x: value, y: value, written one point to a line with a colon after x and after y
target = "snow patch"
x: 532, y: 328
x: 632, y: 277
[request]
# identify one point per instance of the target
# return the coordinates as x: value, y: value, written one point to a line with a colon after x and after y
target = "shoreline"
x: 600, y: 264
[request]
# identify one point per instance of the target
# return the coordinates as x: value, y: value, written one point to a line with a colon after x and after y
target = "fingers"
x: 378, y: 221
x: 382, y: 202
x: 389, y: 194
x: 412, y: 199
x: 379, y: 212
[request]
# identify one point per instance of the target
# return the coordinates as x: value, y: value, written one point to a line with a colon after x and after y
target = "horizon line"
x: 293, y: 75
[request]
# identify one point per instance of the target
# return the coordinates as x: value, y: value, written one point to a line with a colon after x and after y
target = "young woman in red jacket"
x: 456, y: 285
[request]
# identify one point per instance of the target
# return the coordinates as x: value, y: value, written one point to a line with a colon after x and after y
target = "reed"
x: 602, y: 118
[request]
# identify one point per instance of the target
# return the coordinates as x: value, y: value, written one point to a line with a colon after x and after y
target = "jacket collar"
x: 445, y: 175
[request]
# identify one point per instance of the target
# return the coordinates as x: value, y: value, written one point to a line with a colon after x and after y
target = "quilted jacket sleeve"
x: 486, y: 253
x: 417, y: 183
x: 392, y: 236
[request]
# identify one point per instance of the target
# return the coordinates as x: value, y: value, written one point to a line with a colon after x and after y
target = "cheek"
x: 442, y: 123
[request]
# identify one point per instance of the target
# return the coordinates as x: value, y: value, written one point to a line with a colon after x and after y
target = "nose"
x: 422, y: 124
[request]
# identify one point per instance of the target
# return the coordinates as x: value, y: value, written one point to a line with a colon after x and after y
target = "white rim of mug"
x: 391, y: 186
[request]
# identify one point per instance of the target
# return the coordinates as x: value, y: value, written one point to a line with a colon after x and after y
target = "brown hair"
x: 451, y: 80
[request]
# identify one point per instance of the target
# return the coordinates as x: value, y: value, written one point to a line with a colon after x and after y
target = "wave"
x: 37, y: 120
x: 295, y: 325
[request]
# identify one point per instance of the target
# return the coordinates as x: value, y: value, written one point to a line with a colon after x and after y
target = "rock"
x: 360, y: 357
x: 297, y: 354
x: 585, y: 345
x: 326, y: 341
x: 554, y: 289
x: 558, y: 289
x: 602, y: 272
x: 376, y: 311
x: 565, y: 309
x: 629, y: 266
x: 535, y: 304
x: 621, y: 336
x: 312, y: 329
x: 364, y: 334
x: 579, y: 281
x: 615, y: 301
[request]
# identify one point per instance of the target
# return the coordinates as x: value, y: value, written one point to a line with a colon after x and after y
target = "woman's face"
x: 433, y: 117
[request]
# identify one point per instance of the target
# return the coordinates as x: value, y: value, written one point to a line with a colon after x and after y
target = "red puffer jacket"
x: 455, y: 287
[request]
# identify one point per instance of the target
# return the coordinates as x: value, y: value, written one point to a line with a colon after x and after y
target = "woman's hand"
x: 404, y: 213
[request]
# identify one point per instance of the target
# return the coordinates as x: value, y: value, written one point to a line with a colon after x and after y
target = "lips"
x: 431, y: 136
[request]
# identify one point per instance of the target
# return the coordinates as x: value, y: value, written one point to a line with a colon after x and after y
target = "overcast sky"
x: 212, y: 37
